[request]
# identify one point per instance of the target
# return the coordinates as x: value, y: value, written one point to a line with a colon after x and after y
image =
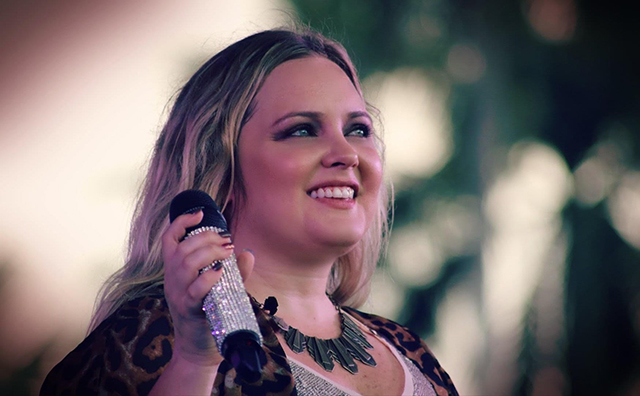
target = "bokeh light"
x: 554, y: 20
x: 417, y: 128
x: 465, y: 63
x: 523, y: 210
x: 82, y: 103
x: 624, y: 208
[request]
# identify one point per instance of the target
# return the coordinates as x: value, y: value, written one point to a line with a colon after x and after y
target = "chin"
x: 342, y: 239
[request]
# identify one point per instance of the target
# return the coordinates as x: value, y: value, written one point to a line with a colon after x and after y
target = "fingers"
x: 176, y: 231
x: 204, y: 251
x: 245, y: 260
x: 183, y: 260
x: 199, y: 288
x: 194, y: 254
x: 174, y: 249
x: 204, y: 282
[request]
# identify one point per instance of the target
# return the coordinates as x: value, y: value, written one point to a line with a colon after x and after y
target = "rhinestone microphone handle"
x: 227, y: 306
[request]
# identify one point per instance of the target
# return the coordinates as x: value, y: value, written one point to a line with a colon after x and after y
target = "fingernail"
x: 228, y: 246
x: 248, y: 250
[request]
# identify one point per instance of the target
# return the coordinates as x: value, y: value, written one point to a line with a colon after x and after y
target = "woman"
x: 275, y: 128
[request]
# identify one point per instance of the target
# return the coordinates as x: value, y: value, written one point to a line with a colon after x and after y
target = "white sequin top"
x: 312, y: 383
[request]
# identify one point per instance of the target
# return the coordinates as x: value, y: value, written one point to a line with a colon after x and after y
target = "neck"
x: 300, y: 293
x: 300, y: 288
x: 295, y: 272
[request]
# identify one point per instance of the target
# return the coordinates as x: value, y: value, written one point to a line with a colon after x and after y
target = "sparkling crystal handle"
x: 227, y: 306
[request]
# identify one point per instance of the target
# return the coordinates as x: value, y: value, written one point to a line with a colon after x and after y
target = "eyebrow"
x: 317, y: 115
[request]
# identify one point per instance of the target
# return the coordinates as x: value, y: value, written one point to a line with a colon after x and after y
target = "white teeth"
x: 333, y: 192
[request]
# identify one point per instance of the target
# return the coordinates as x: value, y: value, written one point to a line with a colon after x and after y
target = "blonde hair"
x: 197, y: 149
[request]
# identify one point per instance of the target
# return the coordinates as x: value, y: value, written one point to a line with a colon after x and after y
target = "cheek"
x: 371, y: 174
x: 272, y: 173
x: 371, y: 168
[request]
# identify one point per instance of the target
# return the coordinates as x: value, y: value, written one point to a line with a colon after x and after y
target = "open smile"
x: 342, y: 192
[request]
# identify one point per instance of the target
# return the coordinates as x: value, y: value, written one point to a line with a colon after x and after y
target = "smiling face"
x: 311, y: 170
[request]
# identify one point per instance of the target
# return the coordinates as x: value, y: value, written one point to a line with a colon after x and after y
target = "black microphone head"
x: 190, y: 201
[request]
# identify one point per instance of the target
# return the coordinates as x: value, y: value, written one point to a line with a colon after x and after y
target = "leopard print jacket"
x: 128, y: 351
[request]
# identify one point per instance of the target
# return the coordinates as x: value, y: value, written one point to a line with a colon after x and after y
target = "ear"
x: 230, y: 214
x: 245, y: 264
x: 233, y: 206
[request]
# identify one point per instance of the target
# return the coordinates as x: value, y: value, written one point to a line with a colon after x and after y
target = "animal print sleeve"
x: 124, y: 355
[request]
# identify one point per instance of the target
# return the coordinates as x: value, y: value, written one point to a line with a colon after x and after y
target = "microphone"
x: 227, y: 307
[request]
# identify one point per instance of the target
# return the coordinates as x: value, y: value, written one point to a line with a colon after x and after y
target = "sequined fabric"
x: 421, y: 386
x: 308, y: 383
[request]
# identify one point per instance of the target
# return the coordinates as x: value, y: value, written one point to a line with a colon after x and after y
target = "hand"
x: 185, y: 288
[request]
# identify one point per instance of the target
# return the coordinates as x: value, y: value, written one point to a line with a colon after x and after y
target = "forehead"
x: 308, y: 84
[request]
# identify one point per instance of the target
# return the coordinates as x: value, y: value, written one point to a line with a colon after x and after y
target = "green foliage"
x: 566, y: 88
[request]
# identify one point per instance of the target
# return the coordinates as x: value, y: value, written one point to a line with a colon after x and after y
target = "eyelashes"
x: 360, y: 130
x: 309, y: 130
x: 299, y: 130
x: 303, y: 130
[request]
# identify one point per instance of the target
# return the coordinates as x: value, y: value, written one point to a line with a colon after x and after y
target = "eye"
x: 359, y: 130
x: 301, y: 130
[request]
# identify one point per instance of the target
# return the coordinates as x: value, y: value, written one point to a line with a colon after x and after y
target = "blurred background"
x: 513, y: 144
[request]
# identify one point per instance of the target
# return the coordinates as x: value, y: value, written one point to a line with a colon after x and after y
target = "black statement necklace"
x: 346, y: 349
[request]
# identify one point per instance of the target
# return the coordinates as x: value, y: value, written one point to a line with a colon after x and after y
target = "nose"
x: 340, y: 154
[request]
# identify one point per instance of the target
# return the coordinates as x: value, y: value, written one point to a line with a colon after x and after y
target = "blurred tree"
x: 558, y: 71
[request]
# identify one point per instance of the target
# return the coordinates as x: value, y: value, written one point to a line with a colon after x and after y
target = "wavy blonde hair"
x: 197, y: 149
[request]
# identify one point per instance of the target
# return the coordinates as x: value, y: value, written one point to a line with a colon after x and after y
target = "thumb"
x: 245, y: 264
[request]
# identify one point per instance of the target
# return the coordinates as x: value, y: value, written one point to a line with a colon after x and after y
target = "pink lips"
x: 340, y: 203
